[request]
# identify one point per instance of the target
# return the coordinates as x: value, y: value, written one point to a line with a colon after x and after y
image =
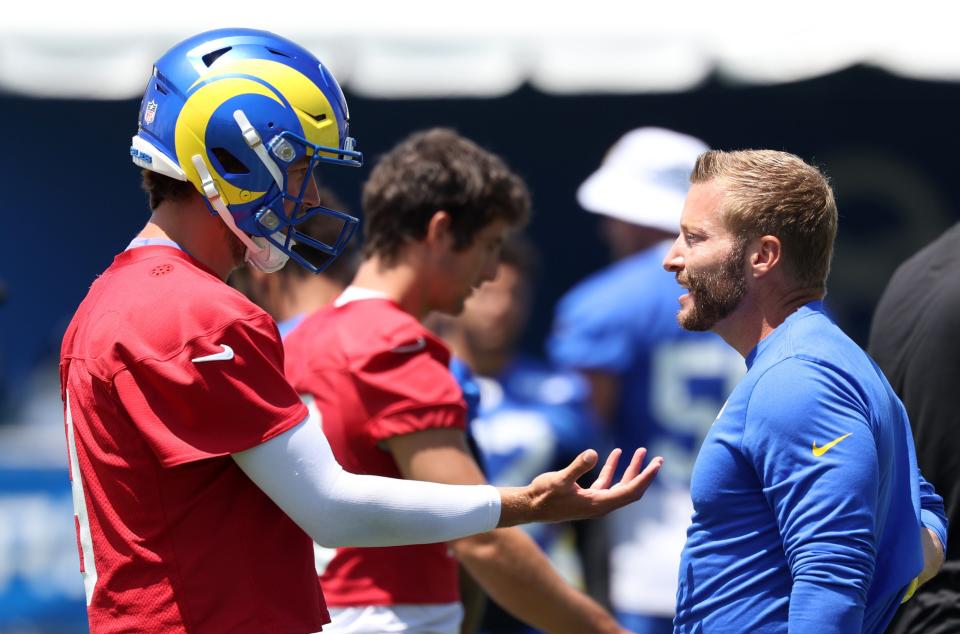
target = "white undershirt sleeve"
x: 299, y: 472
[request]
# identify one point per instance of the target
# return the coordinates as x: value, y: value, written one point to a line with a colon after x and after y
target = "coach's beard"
x: 713, y: 294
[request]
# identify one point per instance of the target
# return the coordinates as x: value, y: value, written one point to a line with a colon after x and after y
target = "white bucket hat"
x: 644, y: 178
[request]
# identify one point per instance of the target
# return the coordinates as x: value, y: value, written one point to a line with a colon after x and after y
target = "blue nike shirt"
x: 807, y: 496
x: 622, y: 322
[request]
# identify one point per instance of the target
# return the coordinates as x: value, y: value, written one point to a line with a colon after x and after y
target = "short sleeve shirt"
x: 165, y: 372
x: 374, y: 372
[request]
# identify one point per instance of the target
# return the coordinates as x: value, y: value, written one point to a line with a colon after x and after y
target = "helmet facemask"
x: 270, y: 232
x: 285, y: 210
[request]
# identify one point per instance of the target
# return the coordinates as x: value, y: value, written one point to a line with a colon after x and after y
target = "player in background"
x: 531, y: 417
x: 651, y: 381
x: 437, y: 209
x: 809, y: 511
x: 198, y: 478
x: 292, y: 293
x: 911, y: 339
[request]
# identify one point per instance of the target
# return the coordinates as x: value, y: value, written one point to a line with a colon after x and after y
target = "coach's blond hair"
x: 775, y: 193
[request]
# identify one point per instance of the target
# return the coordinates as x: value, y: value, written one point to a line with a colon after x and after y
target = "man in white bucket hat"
x: 650, y: 379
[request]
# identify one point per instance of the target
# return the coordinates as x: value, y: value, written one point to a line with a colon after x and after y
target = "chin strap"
x: 260, y: 252
x: 216, y: 201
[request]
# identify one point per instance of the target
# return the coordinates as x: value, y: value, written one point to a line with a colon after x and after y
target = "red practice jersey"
x: 375, y: 372
x: 165, y: 372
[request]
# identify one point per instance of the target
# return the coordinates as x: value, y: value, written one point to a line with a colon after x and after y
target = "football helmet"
x: 235, y: 112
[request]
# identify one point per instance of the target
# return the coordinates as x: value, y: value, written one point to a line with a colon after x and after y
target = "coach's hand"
x: 556, y: 496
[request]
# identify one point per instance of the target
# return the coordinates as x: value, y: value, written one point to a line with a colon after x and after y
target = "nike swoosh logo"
x: 416, y: 346
x: 224, y: 355
x: 819, y: 451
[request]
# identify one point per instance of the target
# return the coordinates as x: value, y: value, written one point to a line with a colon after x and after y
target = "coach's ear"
x: 439, y: 230
x: 764, y: 255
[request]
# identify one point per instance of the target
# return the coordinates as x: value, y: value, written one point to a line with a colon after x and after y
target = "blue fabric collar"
x: 136, y: 243
x: 816, y: 306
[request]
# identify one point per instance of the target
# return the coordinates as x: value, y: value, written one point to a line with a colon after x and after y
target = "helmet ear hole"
x: 230, y: 163
x: 210, y: 58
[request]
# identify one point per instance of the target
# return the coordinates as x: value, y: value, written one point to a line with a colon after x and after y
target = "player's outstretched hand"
x: 556, y: 496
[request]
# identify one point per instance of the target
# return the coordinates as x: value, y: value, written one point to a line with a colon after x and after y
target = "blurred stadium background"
x: 869, y: 95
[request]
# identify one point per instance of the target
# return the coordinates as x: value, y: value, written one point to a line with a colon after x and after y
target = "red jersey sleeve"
x: 409, y: 388
x: 221, y: 393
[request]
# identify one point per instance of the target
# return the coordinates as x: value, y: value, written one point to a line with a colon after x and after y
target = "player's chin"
x: 491, y: 340
x: 453, y: 307
x: 467, y: 294
x: 689, y: 319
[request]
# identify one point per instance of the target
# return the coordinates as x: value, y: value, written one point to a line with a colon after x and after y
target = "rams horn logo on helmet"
x: 248, y: 118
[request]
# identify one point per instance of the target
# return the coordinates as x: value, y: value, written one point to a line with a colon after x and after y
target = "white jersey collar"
x: 357, y: 293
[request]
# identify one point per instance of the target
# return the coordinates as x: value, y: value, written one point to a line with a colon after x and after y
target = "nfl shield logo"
x: 150, y: 113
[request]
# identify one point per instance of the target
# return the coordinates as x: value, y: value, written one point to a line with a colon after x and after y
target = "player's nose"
x: 673, y: 260
x: 311, y: 197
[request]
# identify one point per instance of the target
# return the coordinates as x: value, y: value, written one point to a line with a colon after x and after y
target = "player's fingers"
x: 605, y: 478
x: 635, y: 465
x: 627, y: 492
x: 580, y: 465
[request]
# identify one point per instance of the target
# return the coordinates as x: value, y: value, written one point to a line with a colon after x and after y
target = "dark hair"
x: 161, y: 188
x: 436, y: 170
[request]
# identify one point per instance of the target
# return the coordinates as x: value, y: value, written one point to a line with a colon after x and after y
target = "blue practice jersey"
x: 532, y: 418
x: 529, y: 419
x: 807, y: 497
x: 468, y: 385
x: 287, y: 325
x: 471, y: 396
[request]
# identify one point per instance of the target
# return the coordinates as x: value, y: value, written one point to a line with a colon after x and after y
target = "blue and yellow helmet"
x: 231, y: 111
